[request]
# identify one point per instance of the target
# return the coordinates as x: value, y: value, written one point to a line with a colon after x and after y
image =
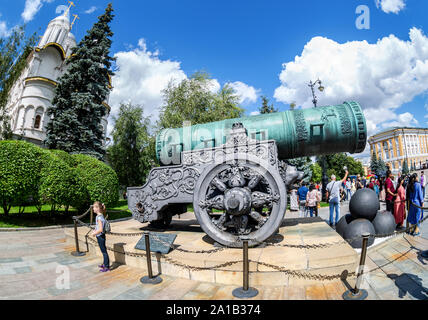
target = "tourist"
x: 301, y: 198
x: 348, y: 187
x: 371, y: 184
x: 382, y: 190
x: 389, y: 192
x: 376, y: 187
x: 416, y: 197
x: 364, y: 182
x: 312, y: 200
x: 353, y: 187
x: 333, y: 196
x: 358, y: 183
x: 400, y: 204
x: 100, y: 210
x: 423, y: 183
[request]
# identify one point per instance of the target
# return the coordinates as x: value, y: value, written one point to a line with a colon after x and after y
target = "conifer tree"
x: 266, y: 108
x: 374, y: 164
x: 77, y: 107
x: 302, y: 164
x: 405, y: 169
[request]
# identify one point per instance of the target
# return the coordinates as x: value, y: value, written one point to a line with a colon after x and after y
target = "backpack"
x: 107, y: 227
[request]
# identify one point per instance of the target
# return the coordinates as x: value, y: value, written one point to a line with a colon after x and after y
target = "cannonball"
x: 356, y: 229
x: 343, y: 223
x: 384, y: 222
x: 364, y: 204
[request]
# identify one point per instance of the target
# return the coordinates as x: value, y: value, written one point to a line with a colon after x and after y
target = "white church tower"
x: 33, y: 92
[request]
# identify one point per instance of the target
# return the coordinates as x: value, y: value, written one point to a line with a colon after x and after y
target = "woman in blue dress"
x: 416, y: 197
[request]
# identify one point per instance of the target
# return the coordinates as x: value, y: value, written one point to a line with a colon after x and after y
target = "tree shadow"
x: 409, y: 283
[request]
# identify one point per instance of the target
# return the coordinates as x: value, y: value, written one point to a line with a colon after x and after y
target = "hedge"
x: 59, y: 183
x: 100, y: 180
x: 20, y: 166
x: 30, y: 174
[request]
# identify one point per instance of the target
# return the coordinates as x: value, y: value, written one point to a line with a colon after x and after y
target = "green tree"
x: 316, y: 172
x: 100, y: 180
x: 374, y: 164
x: 20, y: 166
x: 381, y: 168
x: 405, y: 169
x: 191, y: 100
x: 132, y: 153
x: 77, y: 107
x: 302, y: 164
x: 59, y: 184
x: 14, y: 51
x: 266, y: 108
x: 336, y: 163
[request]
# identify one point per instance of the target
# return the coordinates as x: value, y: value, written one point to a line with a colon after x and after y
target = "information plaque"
x: 159, y: 242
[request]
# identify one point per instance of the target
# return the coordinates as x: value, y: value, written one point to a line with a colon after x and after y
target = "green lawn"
x: 31, y: 218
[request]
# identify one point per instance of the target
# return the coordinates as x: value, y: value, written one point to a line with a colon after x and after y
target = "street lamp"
x: 320, y: 88
x: 322, y: 158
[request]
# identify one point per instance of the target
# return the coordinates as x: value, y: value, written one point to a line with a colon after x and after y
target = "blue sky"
x: 246, y: 43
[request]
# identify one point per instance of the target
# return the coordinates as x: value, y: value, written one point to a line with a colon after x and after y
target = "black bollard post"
x: 76, y: 253
x: 357, y: 293
x: 245, y: 291
x: 150, y: 279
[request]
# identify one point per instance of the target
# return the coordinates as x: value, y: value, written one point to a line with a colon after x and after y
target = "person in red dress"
x: 400, y: 204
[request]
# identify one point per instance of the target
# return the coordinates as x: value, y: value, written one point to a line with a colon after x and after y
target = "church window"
x: 37, y: 122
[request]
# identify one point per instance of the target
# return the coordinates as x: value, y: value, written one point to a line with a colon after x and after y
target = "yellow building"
x: 394, y: 145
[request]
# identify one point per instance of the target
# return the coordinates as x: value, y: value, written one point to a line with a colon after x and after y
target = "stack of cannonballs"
x: 364, y: 216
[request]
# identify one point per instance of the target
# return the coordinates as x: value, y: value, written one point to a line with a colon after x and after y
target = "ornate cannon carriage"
x: 233, y: 172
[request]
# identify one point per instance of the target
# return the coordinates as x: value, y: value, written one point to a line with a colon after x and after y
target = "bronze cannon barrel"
x: 302, y: 132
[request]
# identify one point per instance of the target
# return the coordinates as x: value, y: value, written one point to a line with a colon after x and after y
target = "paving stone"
x: 23, y: 270
x: 9, y: 260
x: 74, y: 285
x: 294, y: 293
x: 7, y: 271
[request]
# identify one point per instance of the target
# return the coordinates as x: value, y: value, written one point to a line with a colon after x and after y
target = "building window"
x: 37, y: 122
x: 385, y: 149
x: 397, y: 147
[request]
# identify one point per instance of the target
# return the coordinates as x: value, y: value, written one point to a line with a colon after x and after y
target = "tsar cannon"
x: 233, y: 172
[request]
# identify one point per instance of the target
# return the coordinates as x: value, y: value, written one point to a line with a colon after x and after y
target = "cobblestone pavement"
x: 32, y: 265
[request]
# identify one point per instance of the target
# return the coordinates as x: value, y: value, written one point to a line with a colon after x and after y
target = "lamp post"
x: 320, y: 88
x: 322, y: 158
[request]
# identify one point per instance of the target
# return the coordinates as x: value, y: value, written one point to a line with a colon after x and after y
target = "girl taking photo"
x: 100, y: 210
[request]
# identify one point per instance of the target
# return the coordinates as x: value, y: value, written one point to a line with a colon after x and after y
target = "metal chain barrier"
x: 300, y: 274
x: 289, y: 272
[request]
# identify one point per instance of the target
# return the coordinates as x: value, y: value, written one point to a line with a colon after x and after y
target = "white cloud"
x: 31, y: 8
x: 388, y: 6
x: 91, y: 10
x: 380, y: 76
x: 142, y: 76
x: 4, y: 30
x: 140, y: 79
x: 246, y: 93
x: 214, y: 85
x: 403, y: 120
x: 254, y: 113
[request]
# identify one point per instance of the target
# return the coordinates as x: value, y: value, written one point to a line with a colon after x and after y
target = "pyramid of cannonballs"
x: 365, y: 216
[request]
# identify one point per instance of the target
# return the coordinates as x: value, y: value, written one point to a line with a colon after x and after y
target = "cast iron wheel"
x: 240, y: 200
